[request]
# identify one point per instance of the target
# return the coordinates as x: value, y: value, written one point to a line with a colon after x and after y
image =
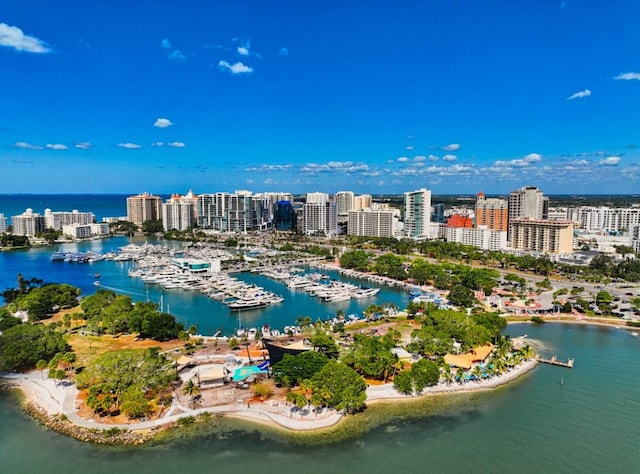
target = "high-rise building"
x: 285, y: 216
x: 319, y: 215
x: 237, y: 212
x: 56, y: 219
x: 539, y: 235
x: 28, y: 223
x: 372, y: 223
x: 345, y: 201
x: 363, y: 201
x: 144, y: 207
x: 527, y: 202
x: 417, y: 213
x: 437, y: 214
x: 179, y: 212
x: 492, y: 213
x: 3, y: 224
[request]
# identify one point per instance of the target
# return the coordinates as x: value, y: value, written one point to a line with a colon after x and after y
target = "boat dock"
x: 554, y: 361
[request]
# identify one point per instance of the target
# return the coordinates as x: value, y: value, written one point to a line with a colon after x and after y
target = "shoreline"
x: 582, y: 322
x: 55, y: 407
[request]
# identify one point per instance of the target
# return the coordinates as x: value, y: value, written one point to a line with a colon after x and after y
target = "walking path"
x: 60, y: 398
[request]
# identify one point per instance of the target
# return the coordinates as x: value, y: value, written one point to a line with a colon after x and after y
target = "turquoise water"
x: 589, y: 423
x: 189, y: 307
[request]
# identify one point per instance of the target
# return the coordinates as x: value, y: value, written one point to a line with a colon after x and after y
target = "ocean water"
x: 588, y: 423
x: 102, y: 205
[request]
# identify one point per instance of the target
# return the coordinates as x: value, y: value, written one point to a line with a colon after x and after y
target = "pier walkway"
x: 554, y: 361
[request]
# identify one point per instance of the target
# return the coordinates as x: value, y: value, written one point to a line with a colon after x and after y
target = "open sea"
x: 585, y: 419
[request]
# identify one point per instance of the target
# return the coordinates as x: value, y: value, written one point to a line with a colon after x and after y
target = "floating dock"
x: 554, y: 361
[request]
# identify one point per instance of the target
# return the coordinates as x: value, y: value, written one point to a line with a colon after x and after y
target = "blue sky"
x: 370, y: 96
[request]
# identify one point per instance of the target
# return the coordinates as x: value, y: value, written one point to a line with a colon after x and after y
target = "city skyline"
x: 455, y: 97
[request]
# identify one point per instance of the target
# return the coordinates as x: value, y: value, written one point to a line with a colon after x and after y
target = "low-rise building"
x: 482, y: 237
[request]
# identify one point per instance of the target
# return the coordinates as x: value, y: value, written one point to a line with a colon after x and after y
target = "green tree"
x: 293, y: 369
x: 403, y: 382
x: 152, y: 226
x: 462, y: 296
x: 22, y: 346
x: 341, y: 387
x: 424, y: 373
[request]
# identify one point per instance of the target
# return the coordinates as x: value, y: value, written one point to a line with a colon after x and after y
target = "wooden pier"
x: 554, y: 361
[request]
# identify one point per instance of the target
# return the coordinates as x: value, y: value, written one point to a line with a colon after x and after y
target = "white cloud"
x: 580, y: 94
x: 283, y: 52
x: 27, y: 146
x: 83, y: 145
x: 451, y: 147
x: 433, y: 158
x: 518, y: 163
x: 419, y: 158
x: 628, y: 76
x: 57, y: 146
x: 533, y: 158
x: 13, y: 37
x: 243, y: 51
x: 177, y: 55
x: 165, y: 44
x: 267, y: 168
x: 268, y: 181
x: 130, y: 146
x: 162, y: 123
x: 157, y: 144
x: 403, y: 159
x: 409, y: 147
x: 176, y: 144
x: 449, y: 158
x: 610, y: 161
x: 236, y: 68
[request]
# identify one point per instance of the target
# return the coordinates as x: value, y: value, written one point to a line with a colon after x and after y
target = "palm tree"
x: 460, y: 375
x: 477, y: 372
x: 192, y: 390
x: 447, y: 374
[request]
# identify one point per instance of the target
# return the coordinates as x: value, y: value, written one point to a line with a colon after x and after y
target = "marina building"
x: 57, y: 219
x: 545, y: 236
x: 28, y: 223
x: 417, y: 214
x: 144, y: 207
x: 493, y: 213
x: 85, y: 231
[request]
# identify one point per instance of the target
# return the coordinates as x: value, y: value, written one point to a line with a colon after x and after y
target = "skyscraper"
x: 492, y: 213
x: 417, y: 213
x: 144, y: 207
x: 527, y: 202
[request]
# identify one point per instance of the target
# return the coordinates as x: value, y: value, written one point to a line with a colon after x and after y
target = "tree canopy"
x: 340, y: 387
x: 23, y: 345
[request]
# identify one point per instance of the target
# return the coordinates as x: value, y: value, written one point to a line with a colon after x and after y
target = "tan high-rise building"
x: 492, y: 212
x: 144, y: 207
x: 542, y: 235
